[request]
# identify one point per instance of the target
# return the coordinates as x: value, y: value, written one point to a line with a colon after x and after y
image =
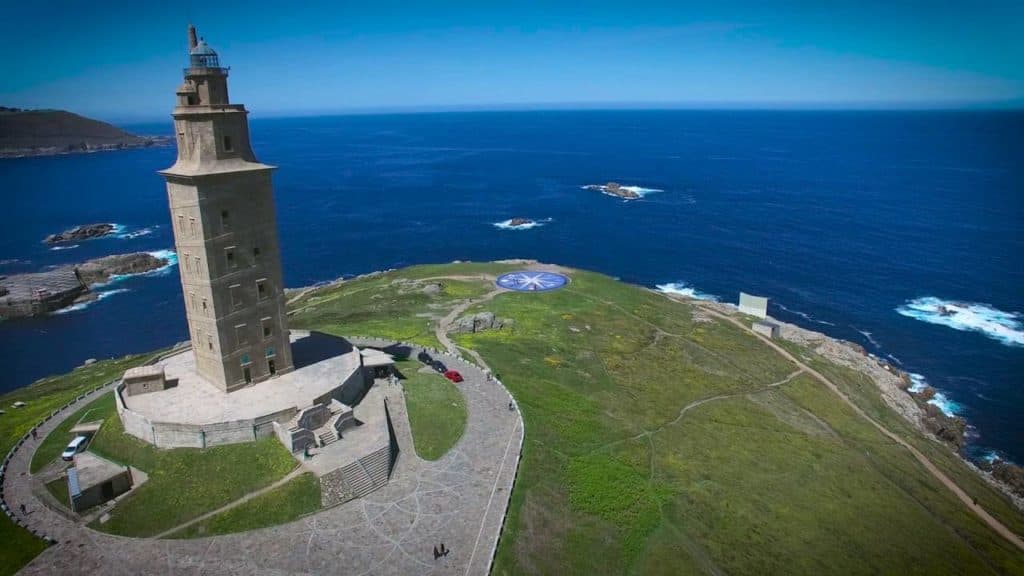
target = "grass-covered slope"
x: 660, y: 440
x: 436, y: 408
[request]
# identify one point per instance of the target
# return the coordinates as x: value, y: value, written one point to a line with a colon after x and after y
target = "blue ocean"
x: 901, y: 231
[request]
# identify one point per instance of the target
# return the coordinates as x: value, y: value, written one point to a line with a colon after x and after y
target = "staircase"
x: 377, y: 466
x: 357, y: 480
x: 328, y: 436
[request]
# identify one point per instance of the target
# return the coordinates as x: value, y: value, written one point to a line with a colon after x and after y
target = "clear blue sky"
x: 119, y: 60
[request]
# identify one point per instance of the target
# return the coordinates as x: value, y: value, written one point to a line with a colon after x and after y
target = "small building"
x: 144, y: 379
x: 766, y: 329
x: 376, y: 363
x: 94, y: 480
x: 753, y: 305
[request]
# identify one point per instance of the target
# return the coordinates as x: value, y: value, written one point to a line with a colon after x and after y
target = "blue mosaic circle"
x: 528, y: 281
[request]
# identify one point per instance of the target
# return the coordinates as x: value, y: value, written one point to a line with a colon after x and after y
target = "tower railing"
x: 206, y: 71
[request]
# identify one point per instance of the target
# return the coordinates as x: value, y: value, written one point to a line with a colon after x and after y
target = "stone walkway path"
x: 460, y: 500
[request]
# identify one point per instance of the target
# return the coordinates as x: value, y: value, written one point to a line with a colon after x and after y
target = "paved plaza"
x: 460, y: 500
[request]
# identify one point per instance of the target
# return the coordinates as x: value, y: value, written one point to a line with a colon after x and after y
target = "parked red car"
x: 453, y: 375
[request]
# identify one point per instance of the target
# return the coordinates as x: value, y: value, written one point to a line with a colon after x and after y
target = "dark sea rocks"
x: 949, y: 429
x: 520, y: 222
x: 100, y: 270
x: 614, y: 189
x: 83, y: 232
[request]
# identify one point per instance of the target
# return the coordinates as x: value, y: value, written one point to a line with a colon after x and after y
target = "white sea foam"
x: 950, y: 408
x: 684, y: 289
x: 507, y: 224
x: 55, y: 248
x: 122, y: 232
x: 83, y: 305
x: 1005, y: 327
x: 870, y: 337
x: 804, y: 315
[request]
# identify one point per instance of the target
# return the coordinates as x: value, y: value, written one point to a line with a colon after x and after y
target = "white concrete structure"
x: 753, y: 305
x: 766, y: 329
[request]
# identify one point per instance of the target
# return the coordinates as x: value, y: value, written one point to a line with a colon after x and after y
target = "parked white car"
x: 77, y: 445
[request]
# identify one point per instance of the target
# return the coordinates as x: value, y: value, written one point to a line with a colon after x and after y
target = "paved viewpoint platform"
x: 460, y: 499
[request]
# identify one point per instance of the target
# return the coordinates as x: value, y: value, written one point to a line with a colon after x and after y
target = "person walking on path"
x: 443, y: 551
x: 436, y: 553
x: 34, y: 435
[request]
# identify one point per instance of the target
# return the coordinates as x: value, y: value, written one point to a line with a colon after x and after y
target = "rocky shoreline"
x: 40, y: 293
x: 894, y: 385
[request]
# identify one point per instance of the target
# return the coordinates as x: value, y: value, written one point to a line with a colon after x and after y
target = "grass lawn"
x: 613, y: 479
x: 59, y: 489
x: 184, y: 482
x: 51, y: 447
x: 18, y: 546
x: 437, y: 410
x: 300, y: 496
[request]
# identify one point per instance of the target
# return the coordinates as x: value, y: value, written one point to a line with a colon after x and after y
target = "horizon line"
x: 858, y: 106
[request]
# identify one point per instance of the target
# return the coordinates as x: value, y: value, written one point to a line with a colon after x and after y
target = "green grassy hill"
x: 661, y: 439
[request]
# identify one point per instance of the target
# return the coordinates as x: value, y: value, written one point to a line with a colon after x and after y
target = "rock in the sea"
x: 949, y: 429
x: 84, y: 232
x: 519, y: 222
x: 100, y: 270
x: 615, y: 189
x: 482, y: 321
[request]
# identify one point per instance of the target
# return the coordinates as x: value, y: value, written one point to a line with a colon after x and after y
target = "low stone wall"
x: 177, y: 435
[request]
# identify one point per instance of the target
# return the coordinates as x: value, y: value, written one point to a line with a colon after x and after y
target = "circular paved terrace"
x: 460, y: 499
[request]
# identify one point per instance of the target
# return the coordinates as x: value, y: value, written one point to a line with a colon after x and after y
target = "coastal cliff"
x: 52, y: 132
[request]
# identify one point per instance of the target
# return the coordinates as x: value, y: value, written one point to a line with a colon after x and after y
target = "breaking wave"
x: 507, y: 224
x: 64, y: 247
x: 172, y: 260
x: 804, y: 315
x: 83, y: 305
x: 1005, y: 327
x: 121, y: 231
x: 684, y: 289
x: 939, y: 400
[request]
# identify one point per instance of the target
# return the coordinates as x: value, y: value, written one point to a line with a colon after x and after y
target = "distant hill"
x: 48, y: 132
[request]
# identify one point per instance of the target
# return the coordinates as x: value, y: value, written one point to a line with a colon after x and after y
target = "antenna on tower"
x: 192, y: 42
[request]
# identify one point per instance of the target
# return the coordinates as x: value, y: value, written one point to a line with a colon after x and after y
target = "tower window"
x: 229, y: 256
x: 188, y: 263
x: 209, y: 341
x: 261, y: 289
x: 236, y: 295
x: 267, y: 324
x: 225, y: 219
x: 240, y: 335
x: 227, y: 144
x: 256, y: 251
x: 199, y: 262
x: 181, y: 224
x: 245, y: 361
x: 270, y: 351
x: 204, y: 305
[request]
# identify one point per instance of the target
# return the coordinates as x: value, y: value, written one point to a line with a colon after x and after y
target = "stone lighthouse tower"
x: 225, y: 231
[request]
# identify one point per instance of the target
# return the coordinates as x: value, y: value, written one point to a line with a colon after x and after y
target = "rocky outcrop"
x: 40, y: 293
x: 100, y: 270
x: 949, y: 429
x: 520, y: 222
x: 614, y: 189
x: 1009, y: 474
x: 83, y: 232
x: 482, y: 321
